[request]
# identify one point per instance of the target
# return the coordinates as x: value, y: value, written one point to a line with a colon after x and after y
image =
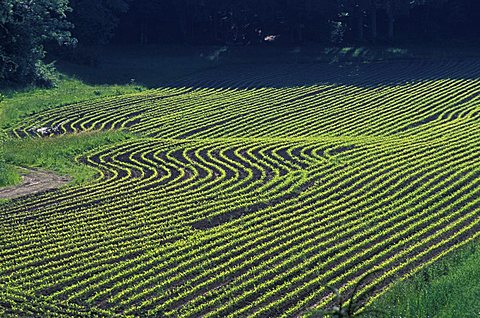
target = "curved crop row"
x: 239, y: 199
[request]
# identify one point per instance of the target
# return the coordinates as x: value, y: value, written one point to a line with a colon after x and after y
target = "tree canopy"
x: 298, y: 21
x: 95, y: 20
x: 27, y: 26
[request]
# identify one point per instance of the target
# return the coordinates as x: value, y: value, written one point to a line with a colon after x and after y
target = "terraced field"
x: 246, y: 195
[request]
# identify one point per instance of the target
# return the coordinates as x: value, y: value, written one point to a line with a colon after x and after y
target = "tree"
x: 25, y: 27
x: 95, y: 20
x: 363, y: 14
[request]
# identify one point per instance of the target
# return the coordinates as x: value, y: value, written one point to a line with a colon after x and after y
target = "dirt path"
x: 34, y: 181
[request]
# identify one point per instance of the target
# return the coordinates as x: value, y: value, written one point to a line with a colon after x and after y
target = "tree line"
x: 29, y: 28
x: 245, y: 22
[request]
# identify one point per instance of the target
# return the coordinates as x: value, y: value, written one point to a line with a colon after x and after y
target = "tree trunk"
x: 181, y: 11
x: 143, y: 38
x: 391, y: 21
x: 373, y: 20
x: 359, y: 18
x: 391, y: 27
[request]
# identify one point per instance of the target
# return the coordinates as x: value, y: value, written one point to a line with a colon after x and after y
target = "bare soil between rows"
x: 34, y: 181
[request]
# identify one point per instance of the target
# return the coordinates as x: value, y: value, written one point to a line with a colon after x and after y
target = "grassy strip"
x: 8, y: 175
x: 58, y: 153
x: 448, y: 288
x: 20, y: 103
x: 55, y: 154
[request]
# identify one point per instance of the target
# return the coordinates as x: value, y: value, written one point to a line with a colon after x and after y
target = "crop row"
x: 249, y: 202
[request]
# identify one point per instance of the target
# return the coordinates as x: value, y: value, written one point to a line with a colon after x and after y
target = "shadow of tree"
x: 250, y: 67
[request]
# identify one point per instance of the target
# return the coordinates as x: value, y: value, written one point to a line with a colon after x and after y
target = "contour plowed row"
x: 248, y: 202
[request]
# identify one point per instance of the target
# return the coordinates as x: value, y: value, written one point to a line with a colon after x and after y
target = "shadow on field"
x: 250, y: 67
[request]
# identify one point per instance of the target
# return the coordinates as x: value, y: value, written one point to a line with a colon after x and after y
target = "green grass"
x: 447, y: 288
x: 19, y: 103
x: 8, y: 175
x: 58, y: 153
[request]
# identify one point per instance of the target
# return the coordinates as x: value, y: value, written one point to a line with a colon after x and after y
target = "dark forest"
x: 29, y: 29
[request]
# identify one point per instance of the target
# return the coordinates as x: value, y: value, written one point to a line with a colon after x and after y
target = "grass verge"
x: 58, y: 153
x: 449, y: 288
x: 16, y: 104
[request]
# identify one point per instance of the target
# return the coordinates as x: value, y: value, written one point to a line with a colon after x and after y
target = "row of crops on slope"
x: 243, y: 201
x: 326, y: 109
